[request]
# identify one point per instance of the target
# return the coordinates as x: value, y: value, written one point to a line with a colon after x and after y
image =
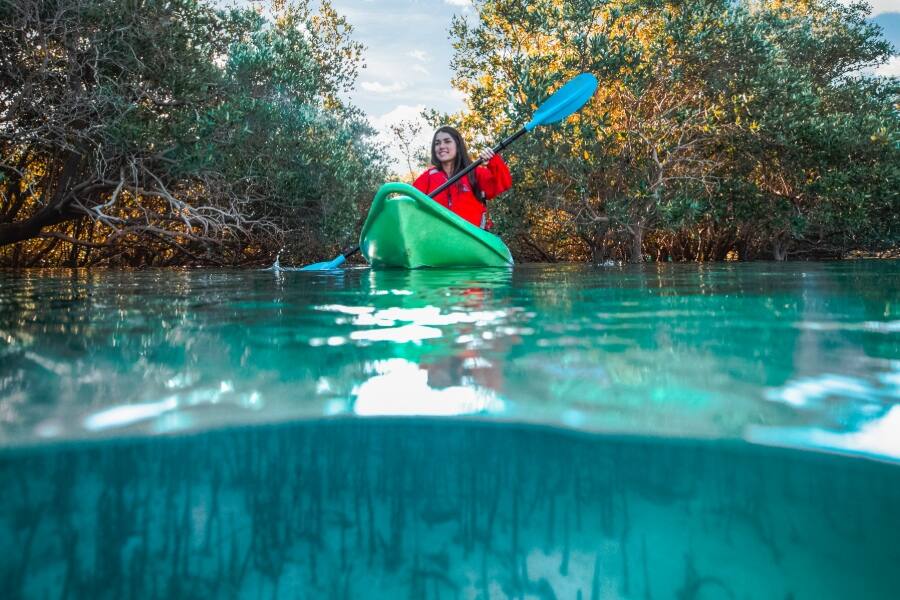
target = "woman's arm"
x: 494, y: 178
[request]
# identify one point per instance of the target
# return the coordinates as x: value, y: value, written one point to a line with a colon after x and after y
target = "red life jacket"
x: 492, y: 180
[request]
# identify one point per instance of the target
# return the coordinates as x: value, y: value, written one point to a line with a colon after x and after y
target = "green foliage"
x: 179, y: 132
x: 744, y: 125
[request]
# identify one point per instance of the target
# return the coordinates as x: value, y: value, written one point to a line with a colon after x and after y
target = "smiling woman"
x: 468, y: 197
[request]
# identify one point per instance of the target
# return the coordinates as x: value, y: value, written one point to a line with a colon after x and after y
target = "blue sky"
x: 408, y: 55
x: 407, y: 52
x: 407, y: 58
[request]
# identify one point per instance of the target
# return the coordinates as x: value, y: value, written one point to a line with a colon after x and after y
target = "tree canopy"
x: 720, y: 128
x: 171, y: 132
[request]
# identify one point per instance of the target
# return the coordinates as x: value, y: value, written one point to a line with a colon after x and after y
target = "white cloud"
x: 882, y: 6
x: 402, y: 112
x: 419, y: 55
x: 376, y: 87
x: 891, y: 67
x: 421, y: 69
x: 879, y: 6
x: 465, y: 3
x: 382, y: 124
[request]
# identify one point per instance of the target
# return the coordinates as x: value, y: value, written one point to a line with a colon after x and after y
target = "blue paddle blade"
x: 326, y: 266
x: 567, y: 100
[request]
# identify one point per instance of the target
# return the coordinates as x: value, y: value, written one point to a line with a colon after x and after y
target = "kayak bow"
x: 407, y: 229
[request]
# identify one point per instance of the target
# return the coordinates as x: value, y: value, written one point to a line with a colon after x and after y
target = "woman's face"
x: 444, y: 147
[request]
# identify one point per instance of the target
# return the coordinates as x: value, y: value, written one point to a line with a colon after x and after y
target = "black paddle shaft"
x: 477, y: 163
x: 354, y: 249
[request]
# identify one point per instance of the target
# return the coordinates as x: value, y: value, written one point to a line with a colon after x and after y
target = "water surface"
x: 665, y: 431
x: 798, y: 354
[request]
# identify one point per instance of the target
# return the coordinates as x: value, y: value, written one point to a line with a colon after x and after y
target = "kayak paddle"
x: 565, y: 101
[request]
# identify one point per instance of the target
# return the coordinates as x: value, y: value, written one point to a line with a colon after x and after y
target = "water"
x: 804, y: 355
x: 687, y: 431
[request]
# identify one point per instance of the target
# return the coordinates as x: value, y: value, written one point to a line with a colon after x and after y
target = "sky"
x: 408, y: 55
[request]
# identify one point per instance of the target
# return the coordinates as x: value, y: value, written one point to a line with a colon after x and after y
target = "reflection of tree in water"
x: 431, y: 509
x: 685, y: 349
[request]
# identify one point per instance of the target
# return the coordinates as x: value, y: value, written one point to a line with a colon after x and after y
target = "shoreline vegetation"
x: 175, y: 133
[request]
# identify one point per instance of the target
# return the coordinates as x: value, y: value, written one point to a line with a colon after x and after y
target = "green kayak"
x: 407, y: 229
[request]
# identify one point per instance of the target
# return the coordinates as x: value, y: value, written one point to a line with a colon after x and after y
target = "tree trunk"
x: 56, y: 211
x: 597, y: 244
x: 73, y: 251
x: 780, y: 248
x: 637, y: 244
x: 10, y: 233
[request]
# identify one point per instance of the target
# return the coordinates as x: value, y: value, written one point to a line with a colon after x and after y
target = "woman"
x: 467, y: 197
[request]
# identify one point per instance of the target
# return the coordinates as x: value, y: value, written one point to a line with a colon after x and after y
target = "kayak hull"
x: 406, y: 229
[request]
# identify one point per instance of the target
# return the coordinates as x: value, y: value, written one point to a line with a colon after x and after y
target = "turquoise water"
x: 803, y: 355
x: 670, y: 431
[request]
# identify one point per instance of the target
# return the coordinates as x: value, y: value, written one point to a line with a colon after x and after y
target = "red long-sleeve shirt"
x: 493, y: 179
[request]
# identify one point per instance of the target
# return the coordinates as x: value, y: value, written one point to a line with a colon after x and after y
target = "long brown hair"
x: 462, y: 157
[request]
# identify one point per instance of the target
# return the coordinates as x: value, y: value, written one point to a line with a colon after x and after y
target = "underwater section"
x: 429, y: 508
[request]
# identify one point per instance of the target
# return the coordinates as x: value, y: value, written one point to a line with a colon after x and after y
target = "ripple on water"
x: 738, y: 352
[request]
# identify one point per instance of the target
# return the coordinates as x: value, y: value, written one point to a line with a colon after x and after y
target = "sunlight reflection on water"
x: 758, y: 352
x: 400, y: 388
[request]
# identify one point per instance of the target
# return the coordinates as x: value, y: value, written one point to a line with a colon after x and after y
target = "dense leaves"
x: 720, y: 128
x: 171, y: 132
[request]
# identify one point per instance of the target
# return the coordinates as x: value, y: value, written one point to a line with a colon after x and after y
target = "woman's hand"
x: 487, y: 154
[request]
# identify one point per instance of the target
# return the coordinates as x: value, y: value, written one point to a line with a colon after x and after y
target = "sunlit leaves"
x: 733, y: 118
x: 235, y: 113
